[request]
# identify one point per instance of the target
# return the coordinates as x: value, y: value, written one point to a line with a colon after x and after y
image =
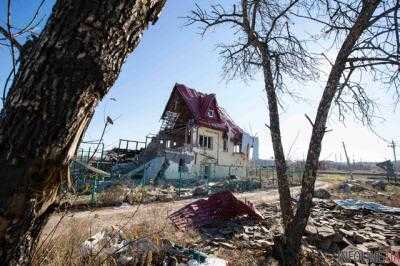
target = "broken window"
x: 206, y: 142
x: 210, y: 113
x: 236, y: 148
x: 225, y: 145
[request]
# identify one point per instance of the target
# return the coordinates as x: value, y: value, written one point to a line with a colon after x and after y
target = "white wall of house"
x: 216, y: 154
x: 221, y: 163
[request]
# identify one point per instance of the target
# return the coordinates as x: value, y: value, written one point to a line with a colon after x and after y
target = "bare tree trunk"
x: 307, y: 190
x: 280, y: 161
x: 283, y: 247
x: 62, y: 76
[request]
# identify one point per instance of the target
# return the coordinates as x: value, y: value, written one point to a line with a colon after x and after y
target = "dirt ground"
x: 68, y: 230
x: 128, y: 214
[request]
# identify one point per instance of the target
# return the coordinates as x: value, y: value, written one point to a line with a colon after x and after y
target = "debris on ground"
x: 143, y: 251
x: 200, y: 191
x: 379, y: 184
x: 209, y: 261
x: 235, y: 185
x: 331, y: 229
x: 237, y: 233
x: 335, y: 229
x: 322, y: 193
x: 353, y: 204
x: 218, y: 207
x: 349, y: 186
x: 109, y: 241
x: 192, y: 256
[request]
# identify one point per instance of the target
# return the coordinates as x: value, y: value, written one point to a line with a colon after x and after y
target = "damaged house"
x: 197, y: 139
x: 197, y: 134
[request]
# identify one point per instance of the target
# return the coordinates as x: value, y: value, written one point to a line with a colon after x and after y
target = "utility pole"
x: 393, y: 146
x: 348, y: 161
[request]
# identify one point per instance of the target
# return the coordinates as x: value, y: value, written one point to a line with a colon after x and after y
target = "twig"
x: 309, y: 120
x: 10, y: 38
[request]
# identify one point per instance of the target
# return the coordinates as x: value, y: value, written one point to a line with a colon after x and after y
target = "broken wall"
x: 216, y: 155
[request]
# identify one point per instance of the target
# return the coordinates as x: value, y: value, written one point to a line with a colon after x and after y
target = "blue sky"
x: 170, y: 53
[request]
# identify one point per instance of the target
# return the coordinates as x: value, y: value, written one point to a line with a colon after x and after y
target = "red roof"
x: 200, y: 103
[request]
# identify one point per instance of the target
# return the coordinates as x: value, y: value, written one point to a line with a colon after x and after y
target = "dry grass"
x: 332, y: 178
x: 63, y: 248
x: 150, y: 221
x: 115, y: 195
x: 240, y: 257
x: 389, y: 197
x: 137, y: 195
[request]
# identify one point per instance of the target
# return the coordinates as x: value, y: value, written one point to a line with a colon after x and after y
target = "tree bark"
x: 297, y: 227
x: 63, y: 75
x: 282, y: 246
x: 274, y: 127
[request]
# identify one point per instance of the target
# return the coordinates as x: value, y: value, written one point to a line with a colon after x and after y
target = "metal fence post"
x: 88, y: 156
x: 93, y: 198
x: 179, y: 183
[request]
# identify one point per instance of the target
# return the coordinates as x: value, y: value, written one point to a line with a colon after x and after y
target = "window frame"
x: 225, y: 145
x: 206, y: 142
x: 210, y: 113
x: 237, y: 148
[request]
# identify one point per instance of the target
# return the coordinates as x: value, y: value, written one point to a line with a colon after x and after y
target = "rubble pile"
x: 239, y: 233
x: 350, y: 186
x: 224, y: 222
x: 322, y: 193
x: 378, y: 184
x: 332, y: 228
x: 156, y: 194
x: 112, y: 243
x: 122, y: 155
x: 235, y: 185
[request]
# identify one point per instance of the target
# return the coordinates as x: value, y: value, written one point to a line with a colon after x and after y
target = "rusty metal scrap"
x: 218, y: 207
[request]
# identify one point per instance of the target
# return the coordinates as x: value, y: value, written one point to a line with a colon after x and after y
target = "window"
x: 225, y: 145
x: 206, y: 142
x: 210, y: 113
x: 236, y: 148
x: 251, y: 153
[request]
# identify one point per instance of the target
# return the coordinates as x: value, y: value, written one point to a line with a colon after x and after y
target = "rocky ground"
x: 334, y: 235
x: 331, y: 231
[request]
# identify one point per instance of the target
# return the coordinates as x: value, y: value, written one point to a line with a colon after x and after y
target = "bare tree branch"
x: 367, y: 34
x: 10, y: 34
x: 10, y: 38
x: 263, y: 41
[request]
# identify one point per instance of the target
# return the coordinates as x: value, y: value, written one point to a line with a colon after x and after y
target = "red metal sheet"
x: 199, y: 104
x: 218, y: 207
